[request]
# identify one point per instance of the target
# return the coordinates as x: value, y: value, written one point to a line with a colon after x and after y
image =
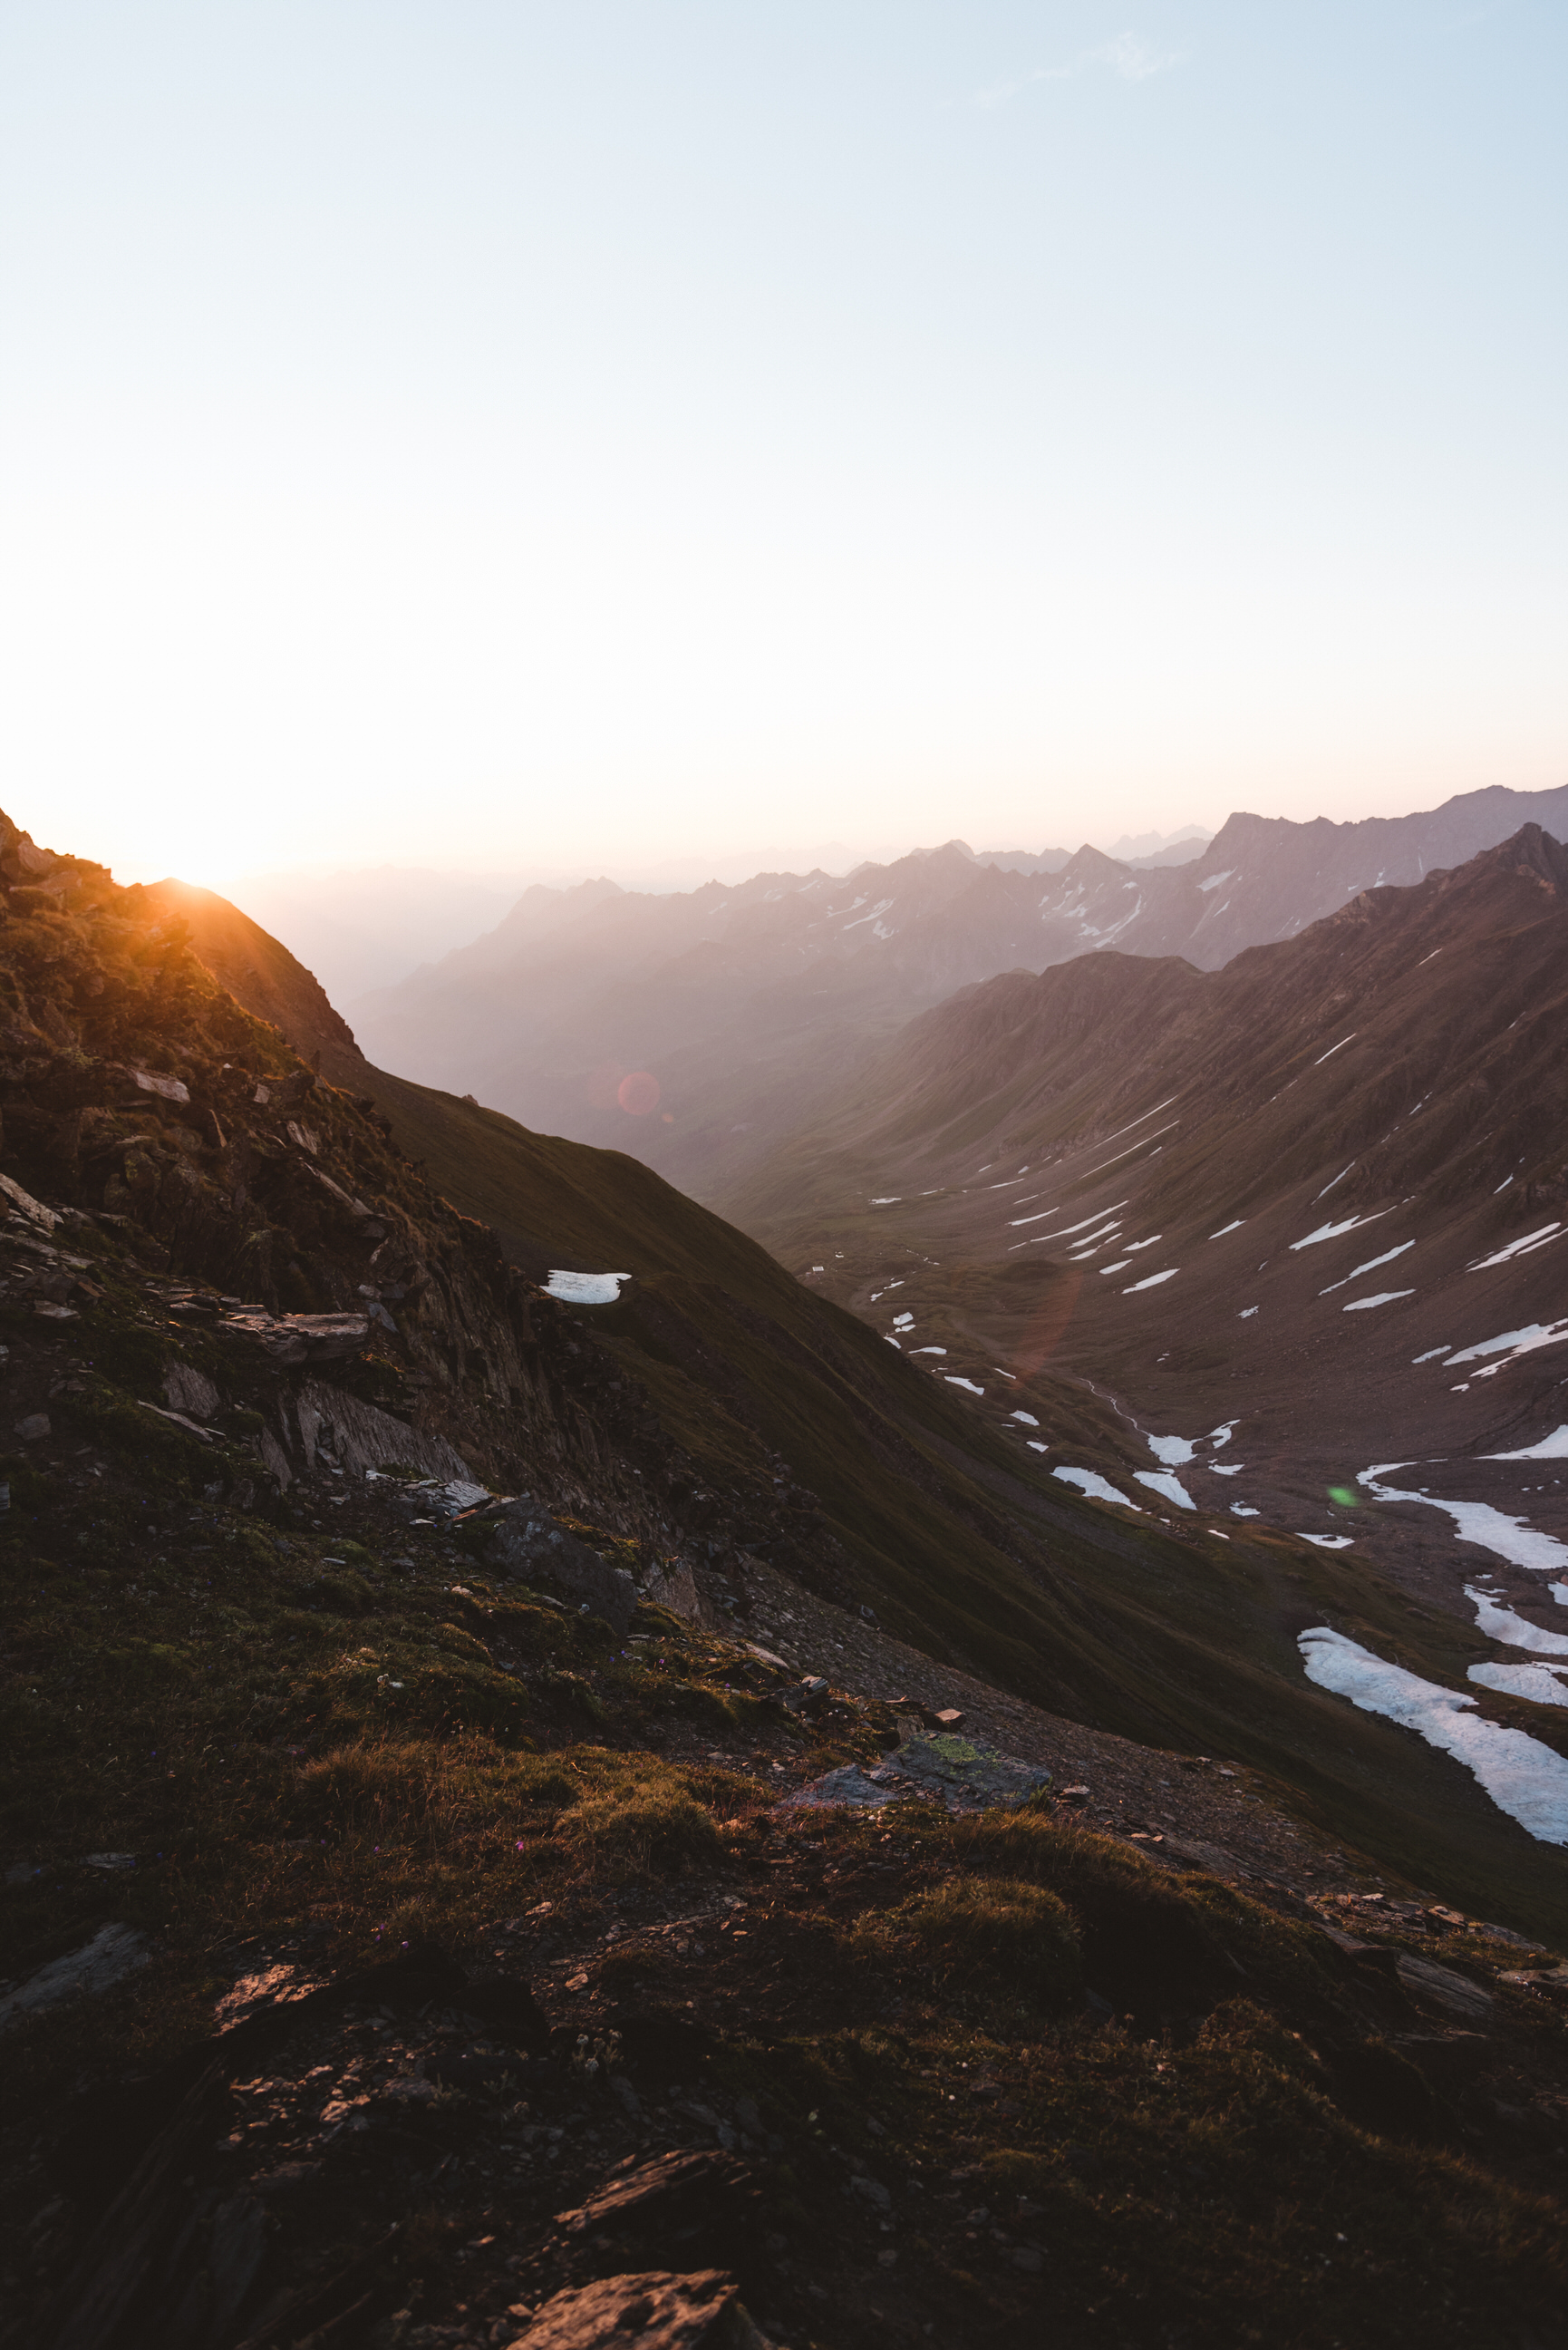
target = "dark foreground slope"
x: 452, y: 1952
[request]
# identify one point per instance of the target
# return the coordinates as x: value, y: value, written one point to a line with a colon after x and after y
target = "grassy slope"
x: 1180, y: 1643
x: 962, y: 1549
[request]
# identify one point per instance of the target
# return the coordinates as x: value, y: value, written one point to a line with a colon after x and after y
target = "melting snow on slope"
x: 1152, y: 1281
x: 1027, y: 1417
x: 1089, y: 1482
x: 1524, y: 1778
x: 1333, y: 1232
x: 1173, y: 1450
x: 1328, y: 1542
x: 1228, y: 1228
x: 953, y: 1380
x: 1518, y: 1342
x: 1384, y: 1297
x: 586, y: 1288
x: 1477, y: 1522
x: 1239, y: 1509
x: 1171, y: 1488
x: 1500, y: 1623
x: 1524, y: 1246
x: 1540, y: 1682
x: 1370, y: 1266
x: 1551, y: 1448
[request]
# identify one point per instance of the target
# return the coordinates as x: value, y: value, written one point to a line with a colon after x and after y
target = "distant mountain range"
x: 697, y: 1029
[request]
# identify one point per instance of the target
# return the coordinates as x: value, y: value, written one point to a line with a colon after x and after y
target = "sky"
x: 490, y: 434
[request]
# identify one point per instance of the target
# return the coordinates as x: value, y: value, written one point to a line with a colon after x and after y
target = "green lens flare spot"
x: 1344, y: 1496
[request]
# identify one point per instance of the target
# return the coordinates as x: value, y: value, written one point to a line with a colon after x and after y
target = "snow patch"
x: 1524, y: 1778
x: 1524, y: 1246
x: 1384, y: 1297
x: 1333, y: 1232
x: 1336, y: 1048
x: 1170, y: 1488
x: 1516, y: 1343
x: 1089, y: 1482
x: 1027, y: 1417
x: 1551, y: 1448
x: 1513, y: 1539
x: 1234, y: 1227
x: 1152, y: 1281
x: 1328, y: 1542
x: 586, y: 1288
x: 953, y: 1380
x: 1539, y: 1682
x: 1500, y: 1623
x: 1370, y: 1266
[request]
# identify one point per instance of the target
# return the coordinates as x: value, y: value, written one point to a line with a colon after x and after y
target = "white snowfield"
x: 953, y: 1380
x: 586, y: 1288
x: 1500, y: 1623
x: 1090, y: 1481
x: 1169, y: 1487
x: 1524, y: 1778
x: 1539, y: 1682
x: 1551, y: 1448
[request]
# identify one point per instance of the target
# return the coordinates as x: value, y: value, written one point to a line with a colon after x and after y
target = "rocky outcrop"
x: 528, y: 1542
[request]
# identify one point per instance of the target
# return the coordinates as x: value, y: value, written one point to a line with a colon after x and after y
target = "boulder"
x: 528, y: 1543
x: 657, y: 2310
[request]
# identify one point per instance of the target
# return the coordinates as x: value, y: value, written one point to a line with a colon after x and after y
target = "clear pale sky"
x: 482, y: 431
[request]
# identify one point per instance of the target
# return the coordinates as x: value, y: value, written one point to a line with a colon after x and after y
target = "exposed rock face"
x: 529, y: 1544
x: 365, y: 1437
x: 658, y: 2311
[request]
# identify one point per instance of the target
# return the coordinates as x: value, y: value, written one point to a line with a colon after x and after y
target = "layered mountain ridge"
x: 695, y: 1029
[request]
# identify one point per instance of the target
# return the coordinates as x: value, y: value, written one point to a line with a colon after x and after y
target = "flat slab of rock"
x: 657, y: 2310
x: 528, y: 1543
x: 301, y: 1337
x: 114, y: 1952
x: 1442, y: 1987
x: 957, y: 1771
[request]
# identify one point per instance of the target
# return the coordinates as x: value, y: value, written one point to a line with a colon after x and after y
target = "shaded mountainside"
x: 405, y: 1937
x: 1312, y: 1202
x: 735, y: 1010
